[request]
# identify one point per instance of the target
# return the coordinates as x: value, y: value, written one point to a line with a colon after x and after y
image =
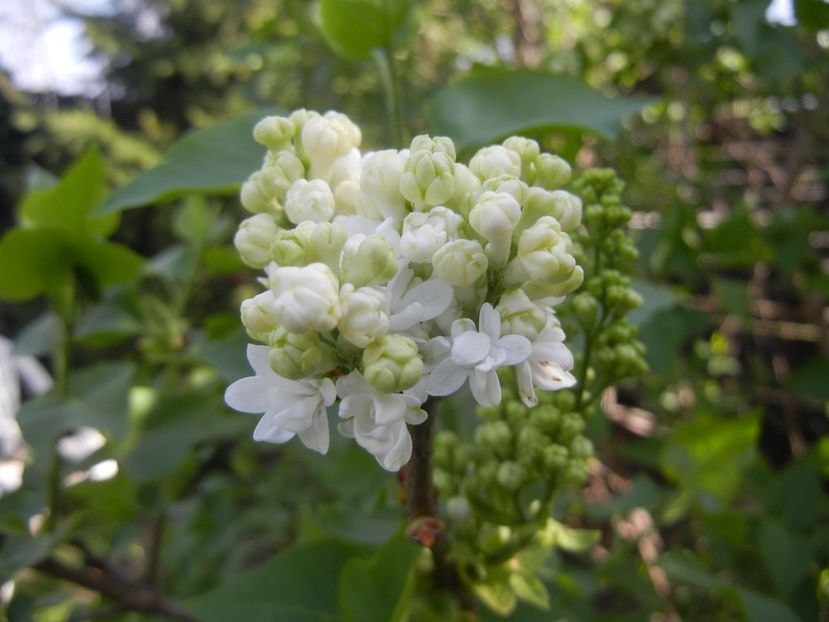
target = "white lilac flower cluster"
x: 392, y: 276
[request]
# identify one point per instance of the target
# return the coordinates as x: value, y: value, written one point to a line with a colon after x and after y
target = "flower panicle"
x: 397, y: 275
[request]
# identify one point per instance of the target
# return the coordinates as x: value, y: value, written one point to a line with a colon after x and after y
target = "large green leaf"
x: 214, y: 160
x: 356, y: 27
x: 299, y: 585
x: 494, y: 104
x: 380, y: 588
x: 36, y: 260
x: 71, y: 203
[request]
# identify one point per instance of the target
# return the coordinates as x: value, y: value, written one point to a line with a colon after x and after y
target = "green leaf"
x: 708, y: 455
x: 34, y: 261
x: 655, y: 298
x: 683, y: 569
x: 299, y: 584
x: 97, y: 398
x: 38, y: 336
x: 22, y: 550
x: 356, y: 27
x: 494, y: 104
x: 812, y: 14
x: 527, y: 586
x: 570, y: 539
x: 786, y: 555
x: 214, y: 160
x: 71, y: 203
x: 380, y: 588
x: 109, y: 262
x: 762, y: 608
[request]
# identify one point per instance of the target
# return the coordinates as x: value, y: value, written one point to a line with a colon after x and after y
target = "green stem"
x: 391, y: 90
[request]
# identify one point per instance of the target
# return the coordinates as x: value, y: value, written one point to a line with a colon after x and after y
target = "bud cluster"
x: 392, y: 276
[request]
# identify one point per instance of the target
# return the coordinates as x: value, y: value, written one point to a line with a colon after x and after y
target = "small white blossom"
x: 494, y: 217
x: 306, y: 298
x: 253, y: 239
x: 476, y: 354
x: 548, y: 365
x: 327, y: 138
x: 494, y: 161
x: 380, y: 196
x: 425, y: 232
x: 363, y: 314
x: 289, y: 407
x: 258, y: 315
x: 461, y: 262
x: 378, y: 421
x: 412, y: 301
x: 309, y: 200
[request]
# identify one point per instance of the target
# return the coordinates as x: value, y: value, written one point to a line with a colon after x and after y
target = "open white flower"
x: 476, y: 354
x: 377, y: 421
x: 289, y: 407
x: 306, y: 298
x: 425, y: 232
x: 548, y: 365
x: 412, y: 301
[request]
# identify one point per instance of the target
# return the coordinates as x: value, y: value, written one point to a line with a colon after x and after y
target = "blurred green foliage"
x: 708, y: 491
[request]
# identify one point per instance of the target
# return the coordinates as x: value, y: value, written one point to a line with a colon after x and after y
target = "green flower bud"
x: 296, y: 356
x: 392, y: 363
x: 443, y: 481
x: 586, y: 309
x: 265, y: 190
x: 274, y: 132
x: 253, y: 239
x: 581, y: 448
x: 292, y: 247
x: 494, y: 436
x: 458, y: 508
x: 495, y: 161
x: 551, y: 171
x: 556, y: 457
x: 510, y: 185
x: 428, y: 179
x: 571, y: 426
x: 368, y: 260
x: 511, y: 475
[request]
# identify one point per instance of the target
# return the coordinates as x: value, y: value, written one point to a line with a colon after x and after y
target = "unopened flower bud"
x: 296, y: 356
x: 274, y: 132
x: 551, y: 171
x: 326, y: 138
x: 460, y: 263
x: 265, y: 190
x: 511, y: 475
x: 253, y: 239
x: 494, y: 217
x: 380, y: 196
x: 458, y: 508
x: 309, y: 200
x: 544, y: 254
x: 292, y: 247
x: 425, y: 232
x: 307, y: 298
x: 258, y: 315
x: 392, y: 363
x: 325, y: 242
x: 528, y: 150
x: 363, y: 314
x: 438, y: 144
x: 428, y: 179
x: 495, y: 161
x: 586, y: 309
x: 520, y: 315
x: 510, y: 185
x: 467, y: 187
x: 368, y: 259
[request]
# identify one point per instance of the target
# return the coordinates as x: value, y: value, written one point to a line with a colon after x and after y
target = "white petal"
x: 388, y: 408
x: 434, y: 296
x: 517, y: 347
x: 351, y: 384
x: 316, y: 437
x: 489, y: 322
x: 462, y: 325
x: 551, y: 377
x: 526, y: 389
x: 470, y: 348
x: 354, y: 405
x: 266, y: 430
x: 416, y: 416
x: 327, y: 391
x: 297, y: 416
x: 486, y: 388
x: 400, y: 452
x: 249, y: 395
x: 258, y: 359
x: 446, y: 378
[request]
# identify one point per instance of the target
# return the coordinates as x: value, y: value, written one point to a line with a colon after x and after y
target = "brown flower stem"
x: 421, y: 508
